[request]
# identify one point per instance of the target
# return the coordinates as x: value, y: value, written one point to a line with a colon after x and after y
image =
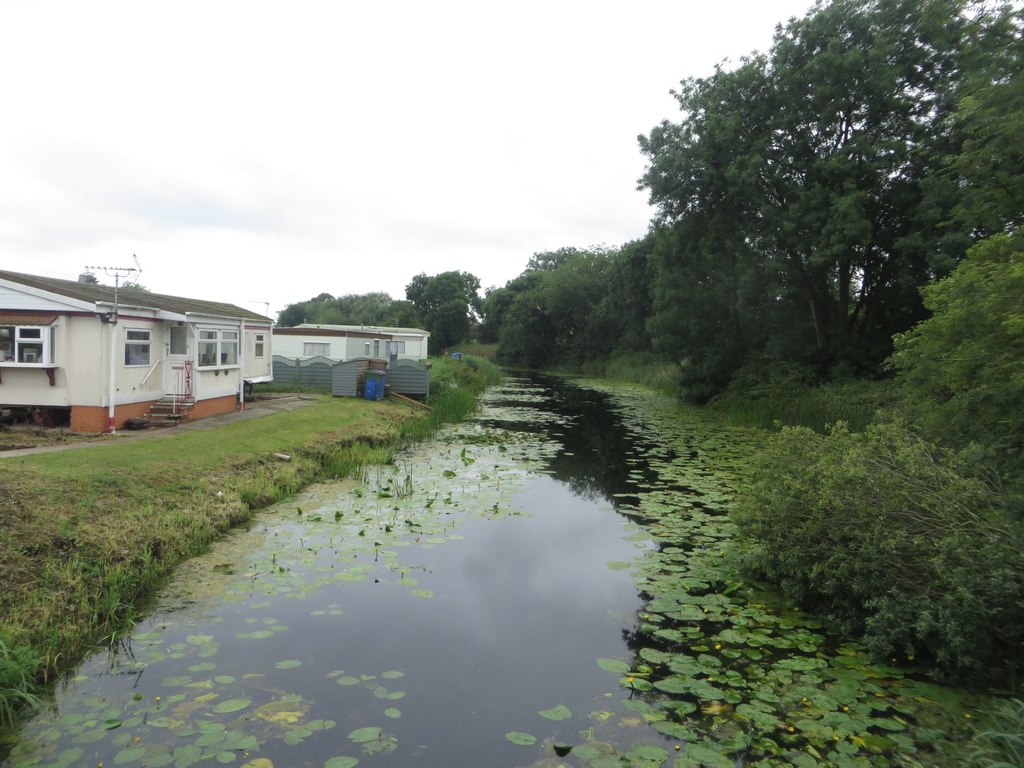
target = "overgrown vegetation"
x: 837, y: 243
x: 454, y: 385
x: 1001, y: 743
x: 884, y: 535
x: 911, y: 531
x: 768, y: 396
x: 82, y: 540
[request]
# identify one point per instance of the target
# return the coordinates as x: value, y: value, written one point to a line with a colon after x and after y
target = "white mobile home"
x: 345, y: 342
x: 85, y: 355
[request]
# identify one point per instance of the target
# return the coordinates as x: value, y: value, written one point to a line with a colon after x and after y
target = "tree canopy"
x: 351, y: 309
x: 449, y: 304
x: 803, y: 199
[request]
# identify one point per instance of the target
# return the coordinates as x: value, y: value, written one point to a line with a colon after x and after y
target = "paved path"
x: 253, y: 410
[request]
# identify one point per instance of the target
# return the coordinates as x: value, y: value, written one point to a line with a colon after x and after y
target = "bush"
x: 881, y: 533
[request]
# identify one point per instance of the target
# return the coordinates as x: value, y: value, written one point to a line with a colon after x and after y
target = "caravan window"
x: 31, y: 345
x: 136, y: 346
x: 217, y: 348
x: 315, y: 349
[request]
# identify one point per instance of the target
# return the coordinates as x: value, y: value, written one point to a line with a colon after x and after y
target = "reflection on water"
x: 444, y: 602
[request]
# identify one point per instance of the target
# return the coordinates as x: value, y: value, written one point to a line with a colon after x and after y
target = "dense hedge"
x: 882, y: 533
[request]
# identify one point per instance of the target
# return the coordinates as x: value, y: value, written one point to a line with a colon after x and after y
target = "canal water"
x: 555, y: 582
x: 445, y: 610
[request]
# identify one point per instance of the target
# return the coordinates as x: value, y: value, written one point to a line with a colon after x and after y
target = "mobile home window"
x: 179, y: 340
x: 31, y: 345
x: 229, y: 347
x: 311, y: 349
x: 217, y: 348
x: 208, y: 349
x: 259, y: 345
x: 136, y: 347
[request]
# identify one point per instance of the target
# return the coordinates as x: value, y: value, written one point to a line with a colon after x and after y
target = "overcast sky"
x: 266, y: 152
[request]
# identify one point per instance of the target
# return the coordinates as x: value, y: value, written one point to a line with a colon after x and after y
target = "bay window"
x: 217, y: 347
x: 26, y: 344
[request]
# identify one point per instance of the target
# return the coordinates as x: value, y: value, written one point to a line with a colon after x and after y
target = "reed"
x: 856, y: 404
x: 17, y: 681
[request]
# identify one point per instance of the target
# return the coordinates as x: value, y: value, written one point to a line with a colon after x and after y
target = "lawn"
x: 85, y: 533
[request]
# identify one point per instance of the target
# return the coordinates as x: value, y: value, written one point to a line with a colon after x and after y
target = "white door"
x: 178, y: 372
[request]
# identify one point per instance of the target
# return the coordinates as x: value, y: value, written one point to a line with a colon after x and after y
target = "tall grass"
x: 483, y: 351
x: 18, y: 666
x: 646, y: 369
x: 794, y: 402
x: 454, y: 388
x: 1001, y: 744
x: 650, y: 370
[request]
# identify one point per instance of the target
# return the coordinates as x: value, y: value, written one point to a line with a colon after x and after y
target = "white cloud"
x: 257, y: 151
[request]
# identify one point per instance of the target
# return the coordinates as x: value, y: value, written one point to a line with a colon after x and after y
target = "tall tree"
x: 806, y: 166
x: 449, y: 303
x: 989, y: 167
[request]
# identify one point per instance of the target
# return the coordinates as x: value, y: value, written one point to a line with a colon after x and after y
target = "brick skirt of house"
x: 91, y: 419
x: 214, y: 406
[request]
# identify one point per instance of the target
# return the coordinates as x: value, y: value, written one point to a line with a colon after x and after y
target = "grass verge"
x: 85, y: 534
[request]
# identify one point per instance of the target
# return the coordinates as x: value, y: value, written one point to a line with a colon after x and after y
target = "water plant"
x: 18, y: 666
x: 1001, y: 743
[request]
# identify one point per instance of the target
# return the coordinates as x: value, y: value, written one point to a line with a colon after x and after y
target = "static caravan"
x: 92, y: 356
x: 347, y: 342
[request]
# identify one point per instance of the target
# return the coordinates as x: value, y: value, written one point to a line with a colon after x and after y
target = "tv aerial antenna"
x: 117, y: 273
x: 111, y: 317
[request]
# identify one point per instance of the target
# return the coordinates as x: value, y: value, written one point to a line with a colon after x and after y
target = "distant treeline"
x: 804, y: 198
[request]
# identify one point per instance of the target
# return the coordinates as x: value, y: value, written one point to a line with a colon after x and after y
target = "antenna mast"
x: 117, y: 273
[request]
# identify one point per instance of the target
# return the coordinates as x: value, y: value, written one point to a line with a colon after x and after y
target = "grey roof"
x: 135, y: 297
x: 367, y: 328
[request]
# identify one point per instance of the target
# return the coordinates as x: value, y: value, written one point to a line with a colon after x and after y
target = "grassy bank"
x: 86, y: 533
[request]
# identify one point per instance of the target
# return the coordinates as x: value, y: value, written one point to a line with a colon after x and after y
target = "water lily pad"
x: 561, y: 712
x: 614, y: 665
x: 342, y: 761
x: 647, y: 755
x: 521, y: 738
x: 129, y: 755
x: 288, y: 664
x: 393, y: 713
x: 232, y: 705
x: 363, y: 735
